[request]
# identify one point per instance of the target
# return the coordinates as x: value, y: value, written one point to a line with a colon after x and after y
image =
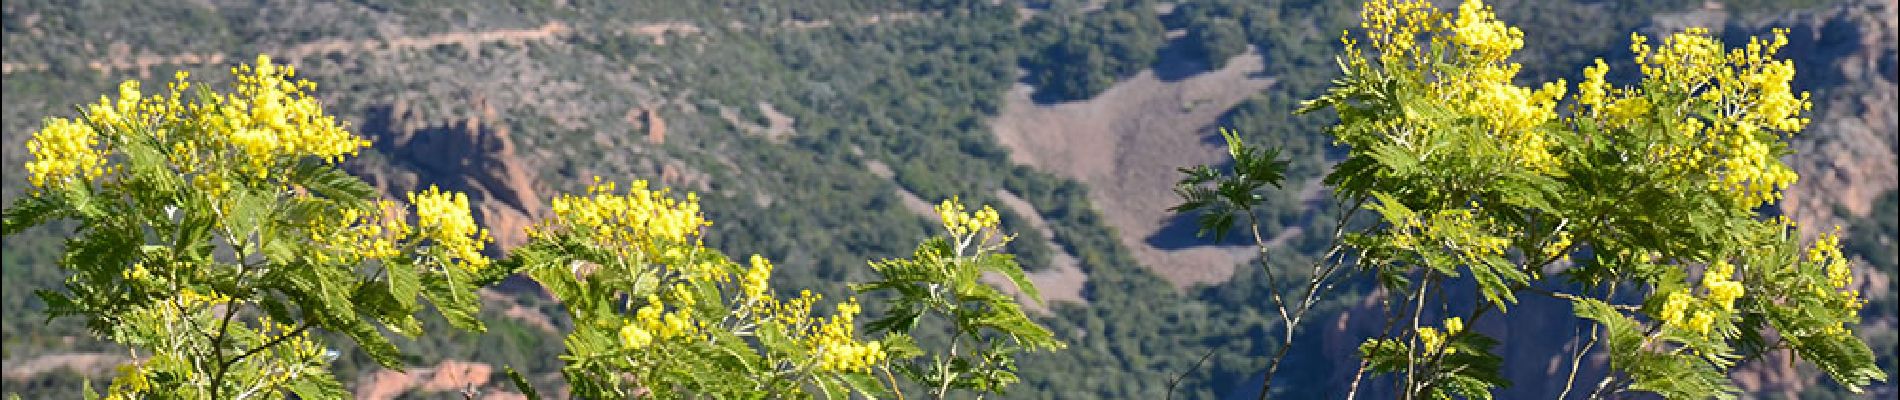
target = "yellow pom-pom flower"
x: 1675, y: 308
x: 64, y: 150
x: 443, y: 218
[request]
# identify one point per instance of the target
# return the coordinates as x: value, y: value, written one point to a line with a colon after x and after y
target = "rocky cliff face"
x: 465, y: 379
x: 467, y: 151
x: 1845, y: 55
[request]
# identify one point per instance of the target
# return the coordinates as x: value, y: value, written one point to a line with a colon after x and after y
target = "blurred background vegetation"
x: 810, y: 126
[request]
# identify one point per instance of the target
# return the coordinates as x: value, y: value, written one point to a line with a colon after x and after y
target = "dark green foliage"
x: 1220, y: 197
x: 1218, y: 40
x: 941, y: 280
x: 1085, y: 53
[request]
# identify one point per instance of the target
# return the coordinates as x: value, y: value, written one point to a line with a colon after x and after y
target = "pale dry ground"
x: 1062, y: 280
x: 910, y: 200
x: 777, y: 127
x: 1126, y: 145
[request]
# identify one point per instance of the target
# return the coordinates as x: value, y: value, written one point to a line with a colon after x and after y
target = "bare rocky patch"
x: 1126, y: 145
x: 1062, y: 280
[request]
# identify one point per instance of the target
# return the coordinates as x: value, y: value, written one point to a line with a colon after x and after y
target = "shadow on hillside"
x: 1043, y: 97
x: 1184, y: 231
x: 1816, y: 47
x: 1179, y: 60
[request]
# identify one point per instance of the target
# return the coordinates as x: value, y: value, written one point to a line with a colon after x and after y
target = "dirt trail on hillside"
x: 469, y: 41
x: 1126, y: 145
x: 1063, y: 279
x: 123, y: 59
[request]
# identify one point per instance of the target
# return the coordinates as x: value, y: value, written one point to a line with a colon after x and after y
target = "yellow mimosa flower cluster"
x: 271, y: 119
x: 131, y: 383
x: 838, y: 349
x: 1722, y: 290
x: 1482, y: 89
x: 794, y: 312
x: 356, y: 235
x: 964, y: 224
x: 1557, y: 245
x: 1478, y: 29
x: 1434, y: 340
x: 659, y: 236
x: 1682, y: 310
x: 1595, y: 88
x: 1702, y: 321
x: 1751, y: 102
x: 654, y: 319
x: 1825, y: 255
x: 296, y: 348
x: 1431, y: 339
x: 444, y: 219
x: 1676, y: 308
x: 757, y: 279
x: 1827, y: 252
x: 1458, y: 230
x: 64, y: 150
x: 657, y: 321
x: 1394, y: 26
x: 131, y: 110
x: 269, y: 122
x: 188, y: 299
x: 296, y: 345
x: 639, y: 221
x: 1515, y: 114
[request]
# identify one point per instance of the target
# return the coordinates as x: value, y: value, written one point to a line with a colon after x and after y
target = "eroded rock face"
x: 469, y: 151
x: 1846, y: 56
x: 472, y: 379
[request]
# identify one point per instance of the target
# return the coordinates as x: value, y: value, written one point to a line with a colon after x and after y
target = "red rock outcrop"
x: 470, y: 378
x: 471, y: 153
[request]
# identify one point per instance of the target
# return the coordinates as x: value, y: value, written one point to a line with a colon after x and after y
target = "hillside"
x: 816, y: 129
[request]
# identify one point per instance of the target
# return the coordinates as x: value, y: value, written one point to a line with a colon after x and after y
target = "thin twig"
x: 273, y: 342
x: 1393, y: 314
x: 1183, y: 374
x: 1576, y: 363
x: 1323, y: 269
x: 1418, y: 308
x: 893, y: 379
x: 1576, y: 359
x: 230, y: 312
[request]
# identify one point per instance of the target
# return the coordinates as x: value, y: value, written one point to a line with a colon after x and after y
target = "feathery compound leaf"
x: 1006, y: 264
x: 332, y: 183
x: 866, y: 385
x: 27, y: 212
x: 404, y: 284
x: 1843, y: 356
x: 149, y: 167
x: 521, y: 384
x: 454, y: 297
x: 318, y: 386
